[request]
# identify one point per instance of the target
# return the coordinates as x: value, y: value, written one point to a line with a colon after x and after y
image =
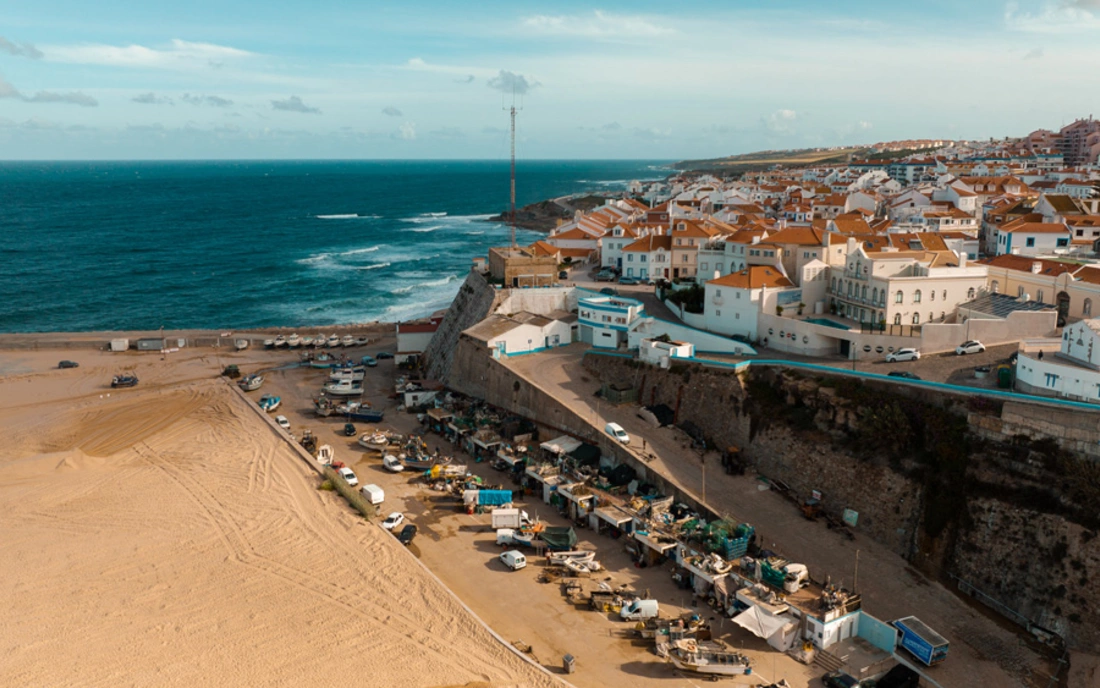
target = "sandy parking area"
x: 168, y: 535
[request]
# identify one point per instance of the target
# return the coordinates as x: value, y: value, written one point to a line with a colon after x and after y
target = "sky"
x: 245, y: 79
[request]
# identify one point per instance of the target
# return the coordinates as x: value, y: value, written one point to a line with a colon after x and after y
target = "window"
x: 932, y: 295
x: 685, y: 258
x: 943, y: 316
x: 874, y: 295
x: 702, y: 266
x: 898, y: 298
x: 1019, y: 291
x: 916, y: 296
x: 970, y: 293
x: 1063, y: 242
x: 1030, y: 242
x: 996, y: 287
x: 931, y: 316
x: 833, y: 283
x: 863, y: 293
x: 916, y: 318
x: 1052, y: 379
x: 679, y: 242
x: 897, y: 319
x: 718, y: 313
x: 630, y: 257
x: 944, y: 294
x: 1039, y: 296
x: 1086, y: 308
x: 718, y: 267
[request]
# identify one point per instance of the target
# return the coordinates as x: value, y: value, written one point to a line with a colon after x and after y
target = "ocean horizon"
x: 189, y: 244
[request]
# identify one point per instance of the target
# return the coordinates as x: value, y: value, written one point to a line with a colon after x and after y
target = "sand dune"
x: 169, y: 537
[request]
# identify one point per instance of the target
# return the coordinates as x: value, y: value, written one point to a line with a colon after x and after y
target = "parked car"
x: 283, y: 423
x: 68, y: 364
x: 609, y: 291
x: 616, y: 431
x: 971, y: 347
x: 349, y: 430
x: 513, y: 559
x: 900, y: 676
x: 392, y: 464
x: 628, y: 280
x: 903, y: 373
x: 369, y: 361
x: 383, y: 354
x: 906, y: 354
x: 499, y: 464
x: 563, y: 274
x: 349, y: 476
x: 605, y: 276
x: 407, y: 534
x: 393, y: 520
x: 839, y: 679
x: 124, y: 381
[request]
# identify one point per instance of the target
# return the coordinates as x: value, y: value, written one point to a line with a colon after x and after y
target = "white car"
x: 283, y: 422
x: 392, y: 463
x: 393, y: 520
x: 971, y: 347
x: 907, y: 354
x: 349, y: 476
x: 616, y: 431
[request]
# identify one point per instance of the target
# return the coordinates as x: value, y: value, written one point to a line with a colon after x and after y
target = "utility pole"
x: 512, y: 113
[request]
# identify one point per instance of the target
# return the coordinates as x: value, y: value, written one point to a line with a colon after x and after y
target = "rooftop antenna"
x: 512, y: 113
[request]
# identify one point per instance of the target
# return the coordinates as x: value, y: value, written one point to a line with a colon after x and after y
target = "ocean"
x: 212, y: 245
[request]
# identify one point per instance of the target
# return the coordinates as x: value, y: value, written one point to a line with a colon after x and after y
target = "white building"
x: 522, y: 333
x: 732, y: 303
x: 607, y: 321
x: 662, y: 351
x: 1023, y: 238
x: 1071, y: 371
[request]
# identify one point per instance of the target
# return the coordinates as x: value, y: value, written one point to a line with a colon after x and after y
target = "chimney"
x: 1036, y: 267
x: 962, y: 258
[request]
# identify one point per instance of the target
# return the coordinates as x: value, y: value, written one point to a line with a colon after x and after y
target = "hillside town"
x: 981, y: 243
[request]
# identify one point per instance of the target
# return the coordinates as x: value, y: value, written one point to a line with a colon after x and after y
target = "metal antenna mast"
x: 512, y: 112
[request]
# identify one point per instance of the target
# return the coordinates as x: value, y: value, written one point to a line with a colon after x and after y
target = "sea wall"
x: 991, y: 498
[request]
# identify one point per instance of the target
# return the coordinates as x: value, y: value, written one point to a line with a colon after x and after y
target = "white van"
x: 513, y: 560
x: 373, y: 494
x: 639, y: 610
x: 616, y: 431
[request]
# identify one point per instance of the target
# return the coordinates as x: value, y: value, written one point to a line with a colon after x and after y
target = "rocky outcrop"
x: 475, y: 300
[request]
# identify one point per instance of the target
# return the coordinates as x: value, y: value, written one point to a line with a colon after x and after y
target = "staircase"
x: 828, y: 661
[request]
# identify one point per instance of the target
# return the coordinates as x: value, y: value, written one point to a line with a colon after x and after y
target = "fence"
x: 352, y: 495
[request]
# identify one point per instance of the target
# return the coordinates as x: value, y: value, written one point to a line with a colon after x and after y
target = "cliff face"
x: 473, y: 303
x: 994, y: 500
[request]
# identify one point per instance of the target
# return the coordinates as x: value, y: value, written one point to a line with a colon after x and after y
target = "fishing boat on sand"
x: 711, y: 659
x: 343, y: 388
x: 321, y: 360
x: 307, y: 341
x: 250, y: 383
x: 241, y: 344
x: 333, y: 341
x: 269, y: 343
x: 423, y: 463
x: 352, y: 374
x: 280, y: 342
x: 347, y: 340
x: 319, y: 340
x: 325, y: 454
x: 579, y: 556
x: 294, y: 341
x: 376, y: 441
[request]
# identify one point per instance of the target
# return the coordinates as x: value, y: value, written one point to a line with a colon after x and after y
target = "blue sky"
x: 272, y: 79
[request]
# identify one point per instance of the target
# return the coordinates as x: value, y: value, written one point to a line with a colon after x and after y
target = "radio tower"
x: 512, y: 112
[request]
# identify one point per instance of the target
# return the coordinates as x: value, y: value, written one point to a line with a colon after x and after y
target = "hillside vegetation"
x: 762, y: 160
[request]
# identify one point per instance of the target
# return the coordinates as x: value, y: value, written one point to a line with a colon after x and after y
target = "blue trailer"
x: 922, y: 642
x: 365, y: 415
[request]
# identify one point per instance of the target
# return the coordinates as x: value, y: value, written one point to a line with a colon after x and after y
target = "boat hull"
x: 710, y: 667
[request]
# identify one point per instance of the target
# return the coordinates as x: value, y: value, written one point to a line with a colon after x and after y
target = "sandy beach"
x: 169, y: 535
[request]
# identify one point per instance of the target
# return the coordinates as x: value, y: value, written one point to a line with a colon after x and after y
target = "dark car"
x: 741, y: 338
x: 68, y: 364
x: 349, y: 429
x: 564, y: 274
x: 608, y: 290
x: 903, y: 373
x: 839, y: 679
x: 628, y: 280
x: 499, y: 464
x: 383, y: 354
x: 124, y: 381
x: 605, y: 276
x: 900, y: 676
x: 407, y: 534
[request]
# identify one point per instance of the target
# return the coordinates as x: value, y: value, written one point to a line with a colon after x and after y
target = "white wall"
x: 730, y: 311
x: 1054, y: 377
x: 413, y: 342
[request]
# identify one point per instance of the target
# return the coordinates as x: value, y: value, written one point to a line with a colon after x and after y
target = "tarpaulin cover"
x: 586, y: 454
x: 759, y: 622
x: 494, y: 497
x: 559, y: 537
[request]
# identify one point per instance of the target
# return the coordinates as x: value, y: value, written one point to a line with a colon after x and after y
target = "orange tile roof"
x: 1025, y: 227
x: 651, y: 243
x: 1050, y: 268
x: 753, y: 277
x: 575, y: 234
x: 799, y: 236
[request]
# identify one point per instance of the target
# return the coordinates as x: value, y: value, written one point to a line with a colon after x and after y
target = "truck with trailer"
x: 928, y: 646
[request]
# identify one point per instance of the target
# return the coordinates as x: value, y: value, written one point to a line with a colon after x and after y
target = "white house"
x: 1072, y: 371
x: 413, y: 339
x: 648, y: 258
x: 1024, y: 238
x: 522, y: 333
x: 606, y: 321
x: 613, y: 243
x: 731, y: 303
x: 662, y: 351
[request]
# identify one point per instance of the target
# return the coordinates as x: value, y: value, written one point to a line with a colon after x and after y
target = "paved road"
x: 983, y: 651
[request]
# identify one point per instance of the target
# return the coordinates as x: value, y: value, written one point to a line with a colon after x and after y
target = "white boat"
x: 375, y: 441
x: 347, y: 340
x: 250, y: 383
x: 325, y: 454
x: 333, y: 341
x: 307, y: 341
x: 294, y: 341
x: 241, y: 344
x: 578, y: 556
x: 321, y: 360
x: 352, y: 374
x: 343, y: 388
x: 362, y: 341
x: 690, y: 655
x: 280, y: 342
x: 269, y: 343
x: 581, y: 567
x: 319, y: 340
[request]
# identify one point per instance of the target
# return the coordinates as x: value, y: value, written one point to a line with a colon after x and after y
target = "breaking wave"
x: 348, y: 216
x: 375, y: 266
x: 425, y: 285
x: 357, y: 251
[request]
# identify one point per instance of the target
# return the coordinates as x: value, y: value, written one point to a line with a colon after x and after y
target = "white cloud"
x: 72, y: 97
x: 406, y: 132
x: 19, y: 49
x: 780, y: 121
x: 176, y: 55
x: 294, y: 104
x: 598, y: 25
x: 510, y: 82
x: 464, y: 74
x: 864, y: 125
x: 1055, y: 16
x: 1033, y: 54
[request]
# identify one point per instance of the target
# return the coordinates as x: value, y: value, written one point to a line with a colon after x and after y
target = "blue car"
x: 368, y: 361
x: 628, y: 280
